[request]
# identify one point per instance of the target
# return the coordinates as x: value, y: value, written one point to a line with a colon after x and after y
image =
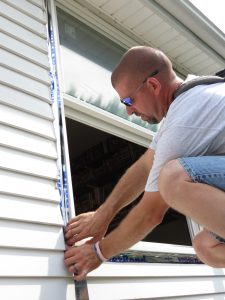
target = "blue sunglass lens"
x: 127, y: 101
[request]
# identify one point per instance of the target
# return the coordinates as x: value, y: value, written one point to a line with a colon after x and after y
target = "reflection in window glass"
x: 88, y: 59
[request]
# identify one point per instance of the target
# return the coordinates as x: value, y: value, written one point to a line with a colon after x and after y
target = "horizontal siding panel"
x: 21, y: 140
x: 39, y: 3
x: 30, y: 9
x: 27, y: 122
x: 39, y: 288
x: 21, y: 65
x: 213, y: 296
x: 23, y: 50
x: 23, y: 34
x: 154, y: 288
x: 203, y: 297
x: 22, y: 19
x: 25, y: 102
x: 24, y: 84
x: 29, y: 235
x: 28, y: 186
x: 148, y: 270
x: 154, y: 281
x: 29, y: 210
x: 22, y: 262
x: 23, y: 162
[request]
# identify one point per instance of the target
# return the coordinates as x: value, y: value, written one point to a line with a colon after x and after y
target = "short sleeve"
x: 173, y: 143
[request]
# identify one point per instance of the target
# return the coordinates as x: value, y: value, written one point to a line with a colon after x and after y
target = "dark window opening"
x: 98, y: 160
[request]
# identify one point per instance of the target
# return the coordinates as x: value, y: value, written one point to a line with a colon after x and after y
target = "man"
x: 183, y: 168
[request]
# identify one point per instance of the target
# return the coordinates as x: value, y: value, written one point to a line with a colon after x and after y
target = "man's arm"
x: 129, y: 187
x: 143, y: 218
x: 140, y: 221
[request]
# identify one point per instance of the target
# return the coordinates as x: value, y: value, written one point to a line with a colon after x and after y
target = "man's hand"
x: 81, y: 260
x: 87, y: 225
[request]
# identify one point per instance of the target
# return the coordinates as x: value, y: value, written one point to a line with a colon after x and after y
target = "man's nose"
x: 129, y: 110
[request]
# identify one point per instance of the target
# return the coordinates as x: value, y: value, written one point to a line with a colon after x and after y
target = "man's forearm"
x: 139, y: 222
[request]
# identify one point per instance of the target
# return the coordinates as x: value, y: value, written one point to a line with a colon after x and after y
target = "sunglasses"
x: 128, y: 100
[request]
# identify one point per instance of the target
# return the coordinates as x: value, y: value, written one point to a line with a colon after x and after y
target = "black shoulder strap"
x: 197, y: 81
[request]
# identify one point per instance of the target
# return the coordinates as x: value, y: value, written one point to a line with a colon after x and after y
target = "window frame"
x: 94, y: 116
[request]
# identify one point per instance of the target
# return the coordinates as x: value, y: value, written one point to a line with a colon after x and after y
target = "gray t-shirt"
x: 194, y: 126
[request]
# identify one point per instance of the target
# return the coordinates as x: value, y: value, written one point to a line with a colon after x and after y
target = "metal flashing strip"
x: 81, y: 290
x: 155, y: 257
x: 56, y: 106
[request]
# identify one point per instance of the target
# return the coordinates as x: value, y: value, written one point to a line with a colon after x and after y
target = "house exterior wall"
x: 31, y: 236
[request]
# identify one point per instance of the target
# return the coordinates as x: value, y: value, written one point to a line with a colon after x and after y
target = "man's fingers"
x: 70, y: 242
x: 80, y: 261
x: 80, y: 236
x: 72, y: 232
x: 72, y: 269
x: 82, y: 217
x: 75, y: 219
x: 79, y: 277
x: 72, y: 226
x: 70, y: 254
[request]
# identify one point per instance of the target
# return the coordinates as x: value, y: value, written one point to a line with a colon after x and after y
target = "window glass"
x: 88, y: 59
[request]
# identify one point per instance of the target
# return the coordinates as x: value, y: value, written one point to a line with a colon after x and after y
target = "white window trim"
x: 93, y: 116
x: 98, y: 118
x: 81, y: 111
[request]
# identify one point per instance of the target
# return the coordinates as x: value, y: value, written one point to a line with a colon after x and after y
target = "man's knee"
x: 200, y: 247
x: 170, y: 178
x: 204, y: 245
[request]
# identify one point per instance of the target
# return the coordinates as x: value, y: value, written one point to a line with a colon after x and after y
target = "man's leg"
x: 204, y: 202
x: 209, y: 250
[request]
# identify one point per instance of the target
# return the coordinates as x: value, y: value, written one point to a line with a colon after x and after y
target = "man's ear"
x: 155, y: 84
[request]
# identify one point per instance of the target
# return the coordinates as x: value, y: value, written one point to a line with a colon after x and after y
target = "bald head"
x: 138, y: 62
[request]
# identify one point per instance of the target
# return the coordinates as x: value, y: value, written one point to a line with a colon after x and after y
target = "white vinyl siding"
x: 31, y: 290
x: 23, y: 83
x: 16, y: 139
x: 31, y: 235
x: 24, y: 51
x: 25, y: 102
x: 25, y: 121
x: 23, y: 66
x: 156, y: 281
